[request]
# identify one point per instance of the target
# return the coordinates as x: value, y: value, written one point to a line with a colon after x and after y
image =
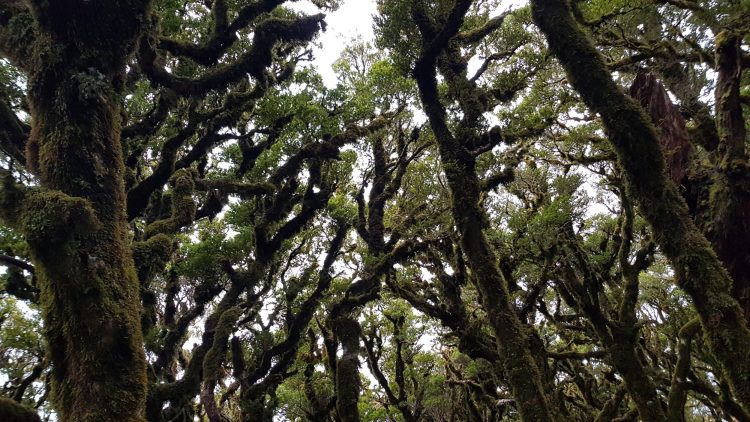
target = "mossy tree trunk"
x: 697, y: 268
x: 729, y: 225
x: 347, y: 369
x: 74, y: 222
x: 459, y: 165
x: 717, y: 189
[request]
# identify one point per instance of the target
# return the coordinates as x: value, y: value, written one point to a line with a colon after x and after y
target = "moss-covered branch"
x: 13, y: 411
x: 214, y: 358
x: 300, y: 321
x: 255, y: 61
x: 17, y: 33
x: 458, y: 164
x: 698, y: 270
x: 228, y: 187
x: 223, y: 34
x: 166, y: 100
x: 206, y: 125
x: 678, y: 389
x: 13, y: 133
x: 183, y: 205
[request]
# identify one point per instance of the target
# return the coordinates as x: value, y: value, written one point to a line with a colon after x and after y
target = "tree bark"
x: 75, y: 221
x: 729, y: 228
x: 458, y: 164
x: 697, y: 268
x: 347, y: 369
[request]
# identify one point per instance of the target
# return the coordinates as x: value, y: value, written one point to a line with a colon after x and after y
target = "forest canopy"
x: 500, y: 211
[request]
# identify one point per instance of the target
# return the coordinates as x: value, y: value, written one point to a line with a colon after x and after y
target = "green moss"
x: 722, y: 38
x: 12, y: 411
x: 697, y: 267
x: 20, y: 27
x: 183, y: 206
x: 50, y: 218
x: 217, y: 353
x: 11, y: 199
x: 151, y: 255
x: 74, y: 222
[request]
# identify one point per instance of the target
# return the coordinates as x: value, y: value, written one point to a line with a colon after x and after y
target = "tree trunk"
x: 75, y: 221
x: 729, y: 228
x: 513, y: 340
x: 347, y: 369
x: 697, y: 269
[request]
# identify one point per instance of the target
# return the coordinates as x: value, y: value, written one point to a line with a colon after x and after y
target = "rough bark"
x: 717, y: 190
x: 697, y: 268
x: 666, y: 116
x: 75, y: 222
x: 459, y: 166
x: 729, y: 228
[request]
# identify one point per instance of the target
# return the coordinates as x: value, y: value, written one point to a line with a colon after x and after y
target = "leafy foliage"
x: 451, y: 232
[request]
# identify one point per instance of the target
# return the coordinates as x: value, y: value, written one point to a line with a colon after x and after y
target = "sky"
x: 353, y: 19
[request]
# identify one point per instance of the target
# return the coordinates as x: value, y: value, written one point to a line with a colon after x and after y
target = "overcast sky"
x: 352, y: 19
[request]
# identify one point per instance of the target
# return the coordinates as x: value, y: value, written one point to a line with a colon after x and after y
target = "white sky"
x: 352, y: 19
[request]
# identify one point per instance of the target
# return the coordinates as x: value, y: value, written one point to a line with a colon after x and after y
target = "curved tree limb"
x: 698, y: 270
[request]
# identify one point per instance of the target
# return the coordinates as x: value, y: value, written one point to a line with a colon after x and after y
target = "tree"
x: 698, y: 269
x: 78, y: 59
x: 458, y: 164
x: 534, y: 213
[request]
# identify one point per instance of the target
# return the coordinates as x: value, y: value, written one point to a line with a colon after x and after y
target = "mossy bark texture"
x: 522, y: 372
x: 12, y: 411
x: 75, y: 221
x: 347, y: 370
x: 729, y: 225
x: 697, y: 268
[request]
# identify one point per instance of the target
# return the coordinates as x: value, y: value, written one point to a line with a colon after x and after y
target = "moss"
x: 183, y: 206
x: 151, y: 255
x: 722, y: 38
x: 76, y: 229
x: 697, y: 267
x: 217, y: 353
x: 459, y: 166
x: 348, y: 384
x: 74, y: 222
x: 11, y: 199
x: 53, y: 218
x: 243, y: 190
x: 20, y: 30
x: 12, y: 411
